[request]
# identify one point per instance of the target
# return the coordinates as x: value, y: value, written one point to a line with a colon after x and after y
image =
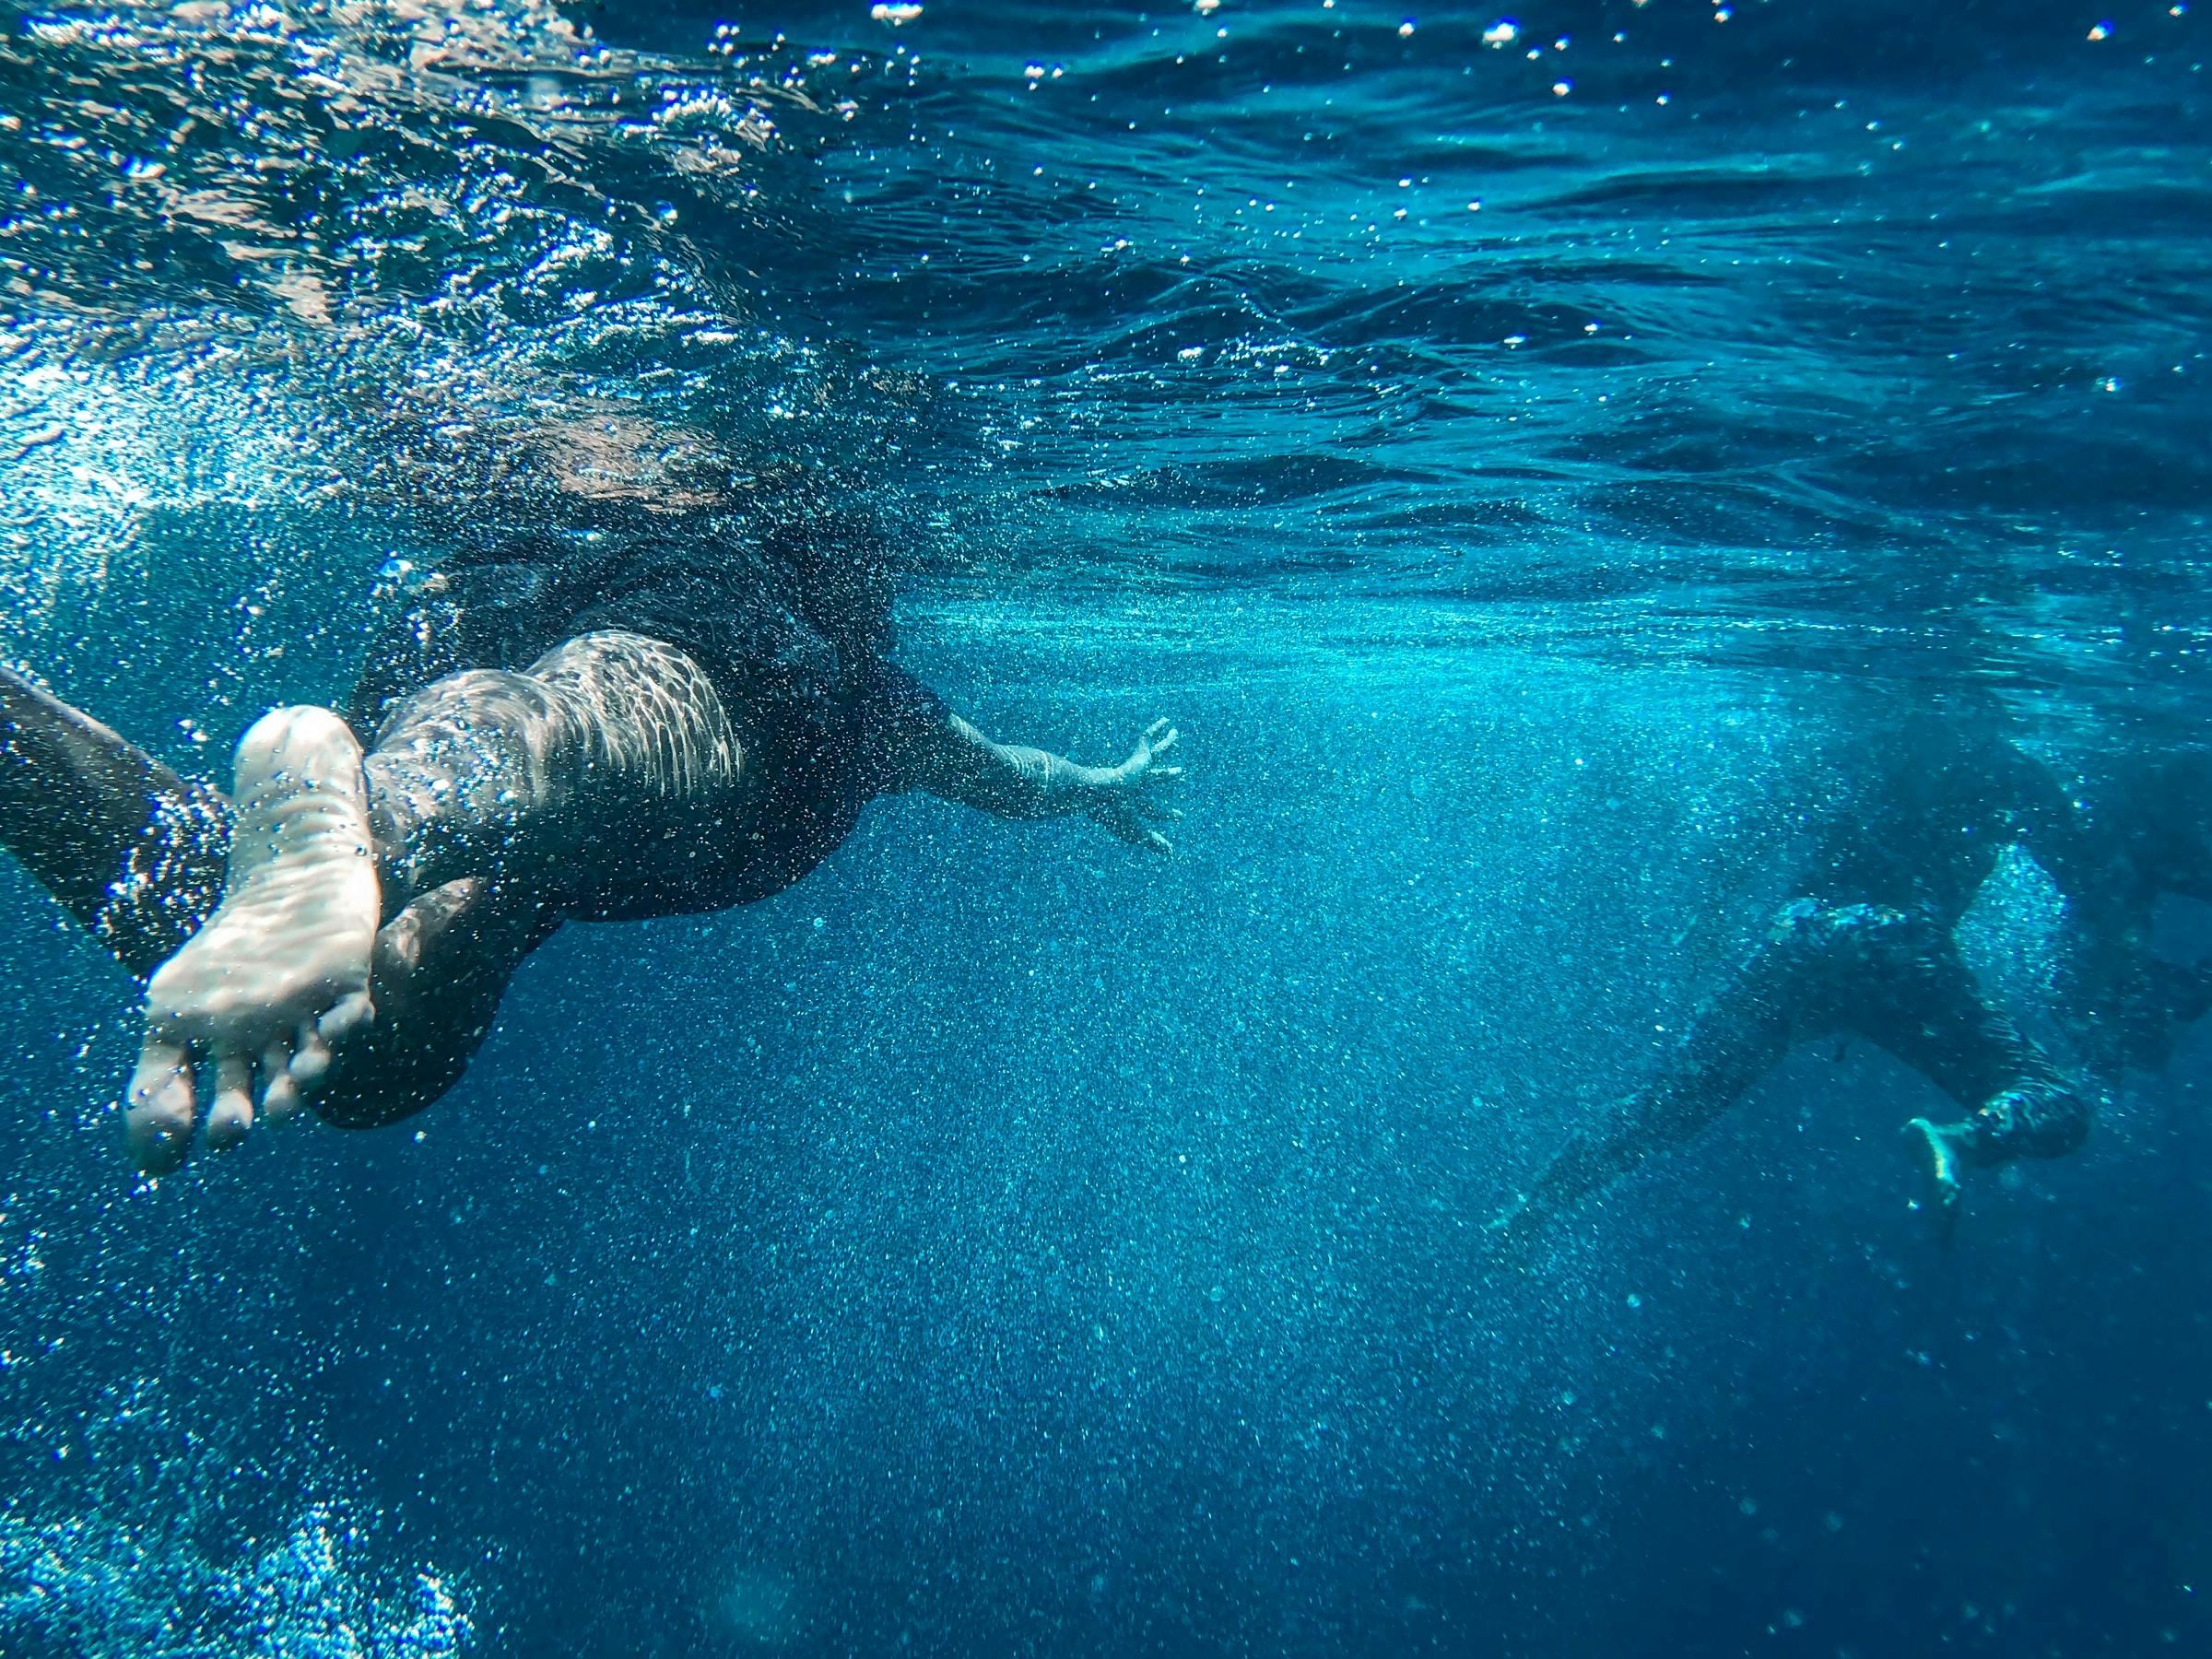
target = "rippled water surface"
x: 1493, y: 436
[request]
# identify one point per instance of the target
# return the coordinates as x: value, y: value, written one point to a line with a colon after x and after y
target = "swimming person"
x: 1933, y: 793
x: 683, y: 713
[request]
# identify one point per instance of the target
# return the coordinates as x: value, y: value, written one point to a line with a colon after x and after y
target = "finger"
x: 232, y: 1115
x: 349, y: 1015
x: 311, y: 1058
x: 279, y: 1089
x: 1166, y: 774
x: 157, y: 1120
x: 1158, y: 842
x: 1163, y: 744
x: 1155, y: 729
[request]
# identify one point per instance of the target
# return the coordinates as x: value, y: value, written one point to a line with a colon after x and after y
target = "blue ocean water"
x: 1506, y: 440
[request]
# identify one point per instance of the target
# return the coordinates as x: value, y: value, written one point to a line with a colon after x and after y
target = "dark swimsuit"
x: 826, y: 716
x: 793, y: 640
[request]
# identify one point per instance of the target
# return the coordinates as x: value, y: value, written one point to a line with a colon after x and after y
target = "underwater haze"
x: 1513, y: 443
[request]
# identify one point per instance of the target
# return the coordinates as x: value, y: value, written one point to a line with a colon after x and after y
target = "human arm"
x: 949, y: 758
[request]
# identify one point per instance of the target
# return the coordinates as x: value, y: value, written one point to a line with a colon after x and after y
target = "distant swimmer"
x: 643, y: 712
x: 1935, y: 792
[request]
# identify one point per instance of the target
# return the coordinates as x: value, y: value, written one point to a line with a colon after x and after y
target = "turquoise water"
x: 1512, y: 461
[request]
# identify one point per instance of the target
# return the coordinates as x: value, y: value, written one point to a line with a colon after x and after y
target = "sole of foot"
x: 241, y: 1020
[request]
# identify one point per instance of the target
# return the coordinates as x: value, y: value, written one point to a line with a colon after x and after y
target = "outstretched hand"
x: 1135, y: 795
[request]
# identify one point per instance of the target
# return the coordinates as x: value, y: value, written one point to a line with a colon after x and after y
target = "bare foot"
x: 1931, y: 1145
x: 281, y: 970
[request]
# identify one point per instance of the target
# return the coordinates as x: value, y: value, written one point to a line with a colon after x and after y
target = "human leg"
x: 1926, y: 1008
x: 1773, y: 998
x: 481, y: 786
x: 136, y: 853
x: 132, y: 850
x: 440, y: 970
x: 585, y: 771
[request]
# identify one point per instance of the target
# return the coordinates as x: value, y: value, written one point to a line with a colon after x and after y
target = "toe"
x: 159, y: 1118
x: 311, y: 1058
x: 232, y: 1115
x: 279, y: 1089
x: 350, y: 1014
